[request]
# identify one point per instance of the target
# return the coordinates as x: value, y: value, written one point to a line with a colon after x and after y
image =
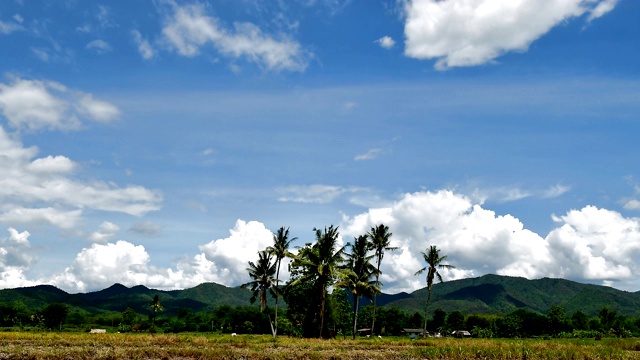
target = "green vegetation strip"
x: 21, y: 345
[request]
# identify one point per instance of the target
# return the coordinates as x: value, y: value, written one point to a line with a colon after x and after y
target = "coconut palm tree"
x: 262, y: 274
x: 155, y: 307
x: 434, y: 262
x: 358, y: 276
x: 280, y: 250
x: 379, y: 242
x: 320, y: 264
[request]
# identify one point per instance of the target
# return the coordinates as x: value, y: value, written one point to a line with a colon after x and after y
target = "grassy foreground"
x: 145, y: 346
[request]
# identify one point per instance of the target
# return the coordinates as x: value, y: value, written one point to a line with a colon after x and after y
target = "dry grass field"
x: 14, y: 345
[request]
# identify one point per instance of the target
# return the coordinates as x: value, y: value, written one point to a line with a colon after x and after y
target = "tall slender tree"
x: 280, y: 250
x: 358, y: 278
x: 155, y: 307
x: 434, y: 262
x: 261, y: 273
x: 380, y: 242
x: 320, y: 264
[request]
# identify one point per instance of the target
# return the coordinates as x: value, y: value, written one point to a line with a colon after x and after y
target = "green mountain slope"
x: 503, y: 294
x: 486, y: 294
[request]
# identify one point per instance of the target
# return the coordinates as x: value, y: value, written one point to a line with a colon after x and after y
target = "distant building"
x: 461, y: 333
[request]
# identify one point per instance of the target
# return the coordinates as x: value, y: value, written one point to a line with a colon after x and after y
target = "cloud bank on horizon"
x: 101, y: 183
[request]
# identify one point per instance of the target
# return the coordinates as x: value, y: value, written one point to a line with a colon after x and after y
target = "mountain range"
x: 487, y: 294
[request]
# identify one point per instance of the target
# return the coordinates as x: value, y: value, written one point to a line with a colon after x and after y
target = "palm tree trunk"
x: 355, y: 315
x: 322, y: 301
x: 426, y: 315
x: 375, y: 296
x: 275, y: 331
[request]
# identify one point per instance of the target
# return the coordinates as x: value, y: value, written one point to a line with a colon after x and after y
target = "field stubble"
x: 198, y: 346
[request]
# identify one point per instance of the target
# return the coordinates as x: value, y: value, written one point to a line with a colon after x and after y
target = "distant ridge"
x: 486, y: 294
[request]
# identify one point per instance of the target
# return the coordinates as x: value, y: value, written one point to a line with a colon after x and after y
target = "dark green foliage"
x: 318, y: 264
x: 557, y: 321
x: 454, y: 321
x: 342, y: 313
x: 580, y: 320
x: 54, y: 315
x: 439, y: 317
x: 494, y: 294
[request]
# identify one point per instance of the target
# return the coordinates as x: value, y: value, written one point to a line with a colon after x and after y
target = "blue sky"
x: 161, y: 143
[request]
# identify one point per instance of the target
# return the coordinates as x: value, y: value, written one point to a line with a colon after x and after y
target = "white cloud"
x: 100, y: 266
x: 229, y: 257
x: 7, y: 28
x: 52, y: 164
x: 64, y: 219
x: 34, y: 104
x: 144, y: 47
x: 223, y: 261
x: 596, y: 244
x: 96, y: 109
x: 317, y: 194
x: 99, y: 46
x: 602, y: 8
x: 107, y: 231
x: 555, y: 191
x: 369, y: 155
x: 589, y: 245
x: 471, y: 32
x: 45, y: 191
x: 386, y: 42
x: 188, y: 28
x: 632, y: 204
x: 147, y: 228
x: 15, y: 259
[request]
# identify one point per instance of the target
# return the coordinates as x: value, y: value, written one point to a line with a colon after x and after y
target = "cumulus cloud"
x: 15, y: 259
x: 188, y: 28
x: 102, y: 265
x: 598, y: 244
x: 469, y: 32
x: 223, y: 261
x: 386, y: 42
x: 229, y: 256
x: 144, y: 47
x: 35, y: 104
x: 590, y: 245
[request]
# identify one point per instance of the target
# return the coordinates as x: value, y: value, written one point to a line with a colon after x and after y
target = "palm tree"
x: 357, y: 277
x: 320, y: 264
x: 379, y: 236
x: 262, y: 274
x: 434, y: 262
x: 155, y: 307
x: 280, y: 250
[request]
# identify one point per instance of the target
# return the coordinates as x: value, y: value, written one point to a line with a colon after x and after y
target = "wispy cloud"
x: 188, y: 28
x: 555, y: 191
x: 317, y: 194
x: 369, y: 155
